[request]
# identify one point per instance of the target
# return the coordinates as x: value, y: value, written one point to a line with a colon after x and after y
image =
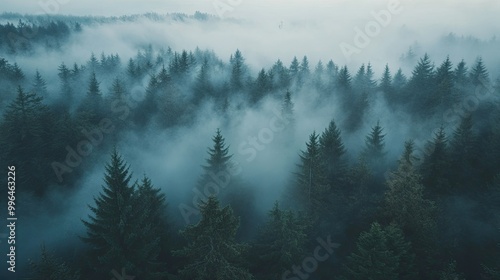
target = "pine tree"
x: 91, y: 108
x: 294, y: 68
x: 237, y: 71
x: 372, y: 258
x: 344, y: 79
x: 39, y: 84
x: 460, y: 74
x: 450, y: 272
x: 280, y: 244
x: 109, y: 229
x: 333, y: 155
x: 212, y: 251
x: 219, y: 176
x: 374, y: 145
x: 399, y: 80
x: 311, y: 187
x: 423, y: 82
x: 405, y: 205
x: 51, y: 268
x: 153, y: 227
x: 436, y: 165
x: 479, y: 75
x: 287, y: 111
x: 25, y: 138
x: 444, y: 85
x: 115, y: 231
x: 386, y: 83
x: 464, y: 156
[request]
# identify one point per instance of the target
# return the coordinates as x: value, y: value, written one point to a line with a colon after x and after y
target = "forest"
x: 181, y: 164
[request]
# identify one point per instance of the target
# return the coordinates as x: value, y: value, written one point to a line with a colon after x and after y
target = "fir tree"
x: 280, y: 244
x: 372, y: 258
x: 116, y: 230
x: 51, y: 268
x: 212, y: 251
x: 39, y: 84
x: 374, y: 144
x: 312, y: 186
x: 333, y: 155
x: 436, y: 165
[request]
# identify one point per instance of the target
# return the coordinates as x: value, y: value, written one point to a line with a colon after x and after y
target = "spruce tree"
x: 435, y: 167
x: 212, y: 251
x: 372, y: 258
x: 39, y: 84
x: 405, y: 205
x: 116, y: 229
x: 333, y: 155
x: 279, y: 245
x: 311, y: 186
x: 479, y: 76
x: 374, y: 145
x: 51, y: 268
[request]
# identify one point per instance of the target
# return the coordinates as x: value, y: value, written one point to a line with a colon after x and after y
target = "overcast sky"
x: 324, y: 25
x: 459, y: 11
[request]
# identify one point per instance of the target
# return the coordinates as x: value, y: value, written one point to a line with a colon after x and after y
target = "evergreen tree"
x: 374, y: 145
x: 237, y: 71
x: 25, y: 137
x: 202, y: 85
x: 406, y: 205
x: 39, y: 84
x: 287, y: 111
x: 333, y: 155
x: 91, y: 108
x: 460, y: 74
x: 311, y: 187
x: 479, y: 75
x: 115, y: 231
x: 450, y: 272
x: 212, y: 251
x: 463, y: 156
x: 435, y: 166
x: 386, y: 83
x: 444, y: 84
x: 294, y: 68
x: 50, y: 268
x: 344, y: 79
x: 280, y: 244
x: 399, y: 80
x: 372, y: 258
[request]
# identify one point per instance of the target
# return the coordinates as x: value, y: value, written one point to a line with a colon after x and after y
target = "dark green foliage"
x: 212, y: 251
x: 377, y: 255
x: 311, y: 186
x: 374, y: 150
x: 450, y: 272
x: 25, y: 138
x: 279, y: 245
x: 333, y: 155
x: 117, y: 235
x: 436, y: 164
x: 51, y: 268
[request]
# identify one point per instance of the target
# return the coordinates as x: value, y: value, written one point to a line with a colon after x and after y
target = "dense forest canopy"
x: 169, y: 163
